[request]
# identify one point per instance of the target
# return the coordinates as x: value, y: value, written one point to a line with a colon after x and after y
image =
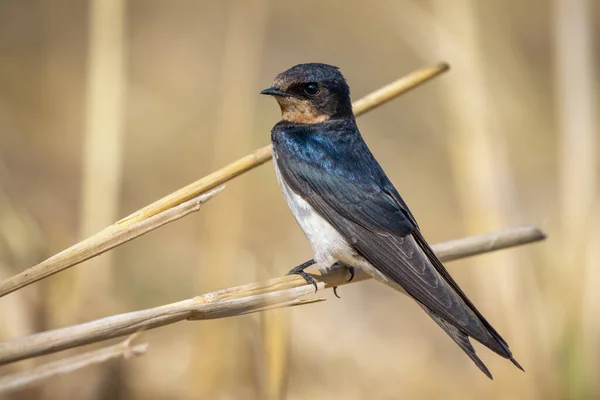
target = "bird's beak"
x: 273, y: 91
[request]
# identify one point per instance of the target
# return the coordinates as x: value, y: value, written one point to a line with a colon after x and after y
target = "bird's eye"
x: 311, y: 89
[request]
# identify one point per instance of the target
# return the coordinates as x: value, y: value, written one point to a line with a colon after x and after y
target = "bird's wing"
x: 382, y: 230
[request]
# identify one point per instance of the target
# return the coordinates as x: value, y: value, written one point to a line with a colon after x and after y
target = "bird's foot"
x: 299, y: 270
x: 351, y: 270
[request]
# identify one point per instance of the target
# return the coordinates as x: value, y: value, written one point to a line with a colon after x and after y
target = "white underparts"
x: 329, y: 246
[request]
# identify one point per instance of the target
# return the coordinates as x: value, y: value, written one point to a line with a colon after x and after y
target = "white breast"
x: 328, y: 244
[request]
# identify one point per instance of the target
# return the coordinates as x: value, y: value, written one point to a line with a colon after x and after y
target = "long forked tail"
x: 461, y: 339
x: 494, y: 342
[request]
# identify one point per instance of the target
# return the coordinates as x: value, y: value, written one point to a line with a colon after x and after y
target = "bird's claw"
x: 308, y: 279
x: 351, y: 270
x: 299, y: 270
x: 335, y: 292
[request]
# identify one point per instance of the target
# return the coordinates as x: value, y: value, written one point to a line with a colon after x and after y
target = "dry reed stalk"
x: 101, y: 172
x: 221, y: 240
x: 274, y: 293
x: 272, y: 353
x: 22, y: 240
x: 478, y: 147
x: 275, y: 336
x: 577, y: 110
x: 91, y: 246
x: 24, y: 379
x: 590, y: 304
x: 101, y: 177
x: 577, y: 115
x: 19, y: 239
x: 479, y: 154
x: 113, y: 238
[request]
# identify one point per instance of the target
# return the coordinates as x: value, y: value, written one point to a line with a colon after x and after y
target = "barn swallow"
x: 349, y: 210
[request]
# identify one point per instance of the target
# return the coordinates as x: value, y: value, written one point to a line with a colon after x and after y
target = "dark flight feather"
x: 460, y: 339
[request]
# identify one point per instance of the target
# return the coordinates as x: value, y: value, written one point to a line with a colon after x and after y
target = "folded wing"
x: 370, y: 213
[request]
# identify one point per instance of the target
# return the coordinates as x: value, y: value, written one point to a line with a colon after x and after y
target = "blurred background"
x: 107, y: 105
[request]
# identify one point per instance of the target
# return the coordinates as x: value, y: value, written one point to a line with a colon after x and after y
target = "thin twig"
x: 83, y: 250
x: 104, y: 241
x: 23, y: 379
x: 275, y: 293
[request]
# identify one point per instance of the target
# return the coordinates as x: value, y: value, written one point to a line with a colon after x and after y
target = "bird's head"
x: 311, y: 93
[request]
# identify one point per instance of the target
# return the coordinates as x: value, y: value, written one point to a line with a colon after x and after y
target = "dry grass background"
x: 509, y: 136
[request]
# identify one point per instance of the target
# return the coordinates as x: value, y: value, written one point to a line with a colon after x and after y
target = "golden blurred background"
x: 107, y: 105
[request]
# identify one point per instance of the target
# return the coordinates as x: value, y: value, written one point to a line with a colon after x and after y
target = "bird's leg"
x: 299, y: 270
x: 351, y: 270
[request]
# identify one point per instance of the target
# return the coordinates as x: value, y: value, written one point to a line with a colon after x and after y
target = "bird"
x: 350, y: 211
